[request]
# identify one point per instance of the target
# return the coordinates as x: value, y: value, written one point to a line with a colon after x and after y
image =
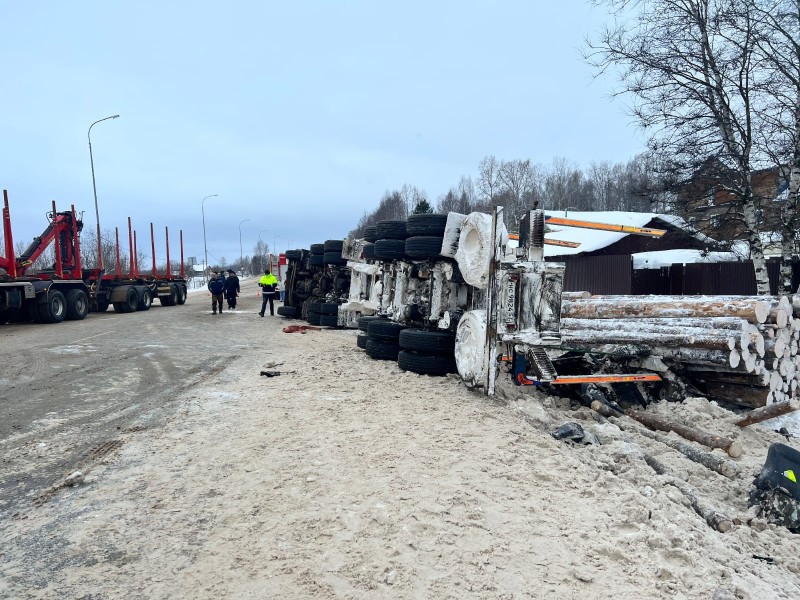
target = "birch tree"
x: 692, y: 68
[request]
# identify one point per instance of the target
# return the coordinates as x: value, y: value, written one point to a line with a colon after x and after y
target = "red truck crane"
x: 68, y: 291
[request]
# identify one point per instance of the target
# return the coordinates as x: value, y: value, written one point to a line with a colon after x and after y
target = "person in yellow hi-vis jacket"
x: 269, y: 289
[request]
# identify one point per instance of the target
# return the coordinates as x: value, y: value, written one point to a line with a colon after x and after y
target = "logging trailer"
x: 68, y: 291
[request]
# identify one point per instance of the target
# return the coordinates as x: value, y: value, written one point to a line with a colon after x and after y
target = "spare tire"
x: 426, y: 224
x: 391, y: 230
x: 475, y: 249
x: 317, y: 248
x: 387, y: 249
x: 333, y: 245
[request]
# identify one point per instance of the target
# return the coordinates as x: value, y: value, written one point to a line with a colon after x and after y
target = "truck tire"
x: 77, y: 305
x: 361, y: 341
x: 333, y: 258
x: 182, y: 294
x: 386, y: 329
x: 391, y: 230
x: 333, y: 246
x: 317, y: 260
x: 370, y: 233
x: 131, y: 302
x: 424, y: 246
x: 363, y: 322
x: 145, y: 299
x: 172, y: 299
x: 426, y: 364
x: 382, y: 349
x: 369, y: 252
x: 287, y: 311
x: 317, y: 249
x: 54, y: 309
x: 430, y: 342
x: 328, y: 308
x: 329, y: 320
x: 294, y: 254
x: 313, y: 318
x: 388, y: 249
x: 426, y: 224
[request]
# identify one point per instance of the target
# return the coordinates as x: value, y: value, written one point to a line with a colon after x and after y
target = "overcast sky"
x: 300, y: 115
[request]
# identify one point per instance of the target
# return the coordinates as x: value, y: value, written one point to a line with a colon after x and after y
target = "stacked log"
x: 741, y: 349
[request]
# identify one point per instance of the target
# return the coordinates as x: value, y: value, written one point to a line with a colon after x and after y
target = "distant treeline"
x: 519, y: 185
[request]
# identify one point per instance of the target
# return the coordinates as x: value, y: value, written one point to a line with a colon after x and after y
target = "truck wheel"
x: 333, y: 246
x: 384, y: 328
x: 329, y: 320
x: 145, y: 299
x: 370, y: 234
x: 317, y: 249
x: 387, y: 249
x: 426, y: 224
x: 54, y: 310
x: 363, y: 322
x: 172, y: 299
x: 327, y: 308
x: 426, y: 364
x: 394, y: 230
x: 361, y: 341
x: 333, y: 258
x: 287, y: 311
x: 313, y: 318
x: 131, y: 302
x: 77, y: 305
x: 424, y: 246
x: 181, y: 294
x: 431, y: 342
x: 382, y: 349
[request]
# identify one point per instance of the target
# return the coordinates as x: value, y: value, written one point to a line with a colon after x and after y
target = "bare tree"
x: 517, y: 179
x: 778, y: 43
x: 488, y: 181
x: 694, y: 77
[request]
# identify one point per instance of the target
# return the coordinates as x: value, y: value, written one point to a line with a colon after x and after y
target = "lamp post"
x: 261, y: 251
x: 241, y: 254
x: 205, y: 246
x: 94, y: 187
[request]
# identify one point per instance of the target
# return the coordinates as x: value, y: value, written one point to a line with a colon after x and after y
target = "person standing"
x: 269, y: 285
x: 231, y: 288
x: 216, y: 285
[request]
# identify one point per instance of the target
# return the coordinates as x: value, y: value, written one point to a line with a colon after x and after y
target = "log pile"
x: 740, y: 349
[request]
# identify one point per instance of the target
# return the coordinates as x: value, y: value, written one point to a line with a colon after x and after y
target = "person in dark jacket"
x: 231, y: 288
x: 216, y: 285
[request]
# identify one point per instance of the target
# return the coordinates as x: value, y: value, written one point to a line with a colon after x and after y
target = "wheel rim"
x: 81, y: 304
x: 57, y: 306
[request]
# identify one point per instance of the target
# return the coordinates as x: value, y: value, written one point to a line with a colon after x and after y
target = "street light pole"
x: 261, y: 251
x: 205, y: 246
x: 241, y: 254
x: 94, y: 187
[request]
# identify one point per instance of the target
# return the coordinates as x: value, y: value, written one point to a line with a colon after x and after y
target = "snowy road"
x: 69, y: 390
